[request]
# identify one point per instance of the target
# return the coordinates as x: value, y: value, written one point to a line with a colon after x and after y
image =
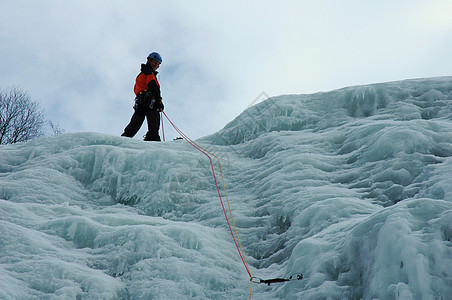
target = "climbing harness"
x: 235, y: 236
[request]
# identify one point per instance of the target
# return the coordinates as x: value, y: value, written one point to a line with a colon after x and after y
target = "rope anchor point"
x: 298, y: 276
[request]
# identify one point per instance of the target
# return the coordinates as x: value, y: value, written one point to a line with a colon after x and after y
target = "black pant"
x: 152, y: 116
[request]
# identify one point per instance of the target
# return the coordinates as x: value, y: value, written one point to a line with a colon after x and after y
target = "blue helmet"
x: 156, y: 56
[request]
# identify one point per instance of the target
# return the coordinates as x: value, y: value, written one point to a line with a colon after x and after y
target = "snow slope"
x: 351, y: 187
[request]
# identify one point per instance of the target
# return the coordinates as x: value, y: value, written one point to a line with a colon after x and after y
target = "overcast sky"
x: 79, y: 59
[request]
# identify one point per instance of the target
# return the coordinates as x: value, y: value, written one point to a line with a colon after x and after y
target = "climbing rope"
x: 205, y: 152
x: 163, y: 130
x: 235, y: 237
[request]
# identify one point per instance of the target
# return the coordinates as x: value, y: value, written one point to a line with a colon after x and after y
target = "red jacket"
x: 147, y: 81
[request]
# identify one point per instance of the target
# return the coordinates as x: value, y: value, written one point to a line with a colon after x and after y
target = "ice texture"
x: 352, y: 188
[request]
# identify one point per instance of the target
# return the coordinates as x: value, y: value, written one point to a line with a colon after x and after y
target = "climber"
x: 148, y: 101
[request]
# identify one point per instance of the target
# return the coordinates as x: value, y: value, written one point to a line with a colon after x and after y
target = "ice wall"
x: 350, y: 187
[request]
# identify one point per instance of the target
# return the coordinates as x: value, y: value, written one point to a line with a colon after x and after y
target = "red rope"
x: 163, y: 130
x: 216, y: 184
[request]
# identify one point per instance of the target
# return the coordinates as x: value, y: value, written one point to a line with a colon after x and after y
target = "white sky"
x: 79, y: 59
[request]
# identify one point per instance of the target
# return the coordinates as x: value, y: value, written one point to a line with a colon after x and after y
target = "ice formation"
x: 352, y: 188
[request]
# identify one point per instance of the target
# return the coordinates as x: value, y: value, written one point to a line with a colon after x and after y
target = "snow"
x: 351, y: 187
